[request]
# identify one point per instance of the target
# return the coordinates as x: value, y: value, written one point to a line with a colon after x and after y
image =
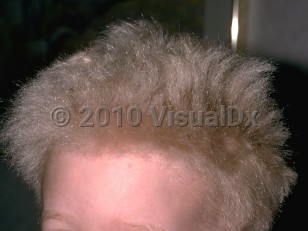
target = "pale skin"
x: 118, y: 193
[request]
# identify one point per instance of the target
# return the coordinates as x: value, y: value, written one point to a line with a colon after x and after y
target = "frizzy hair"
x: 139, y: 64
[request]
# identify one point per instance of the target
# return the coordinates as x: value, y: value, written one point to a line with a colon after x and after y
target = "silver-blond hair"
x: 139, y: 64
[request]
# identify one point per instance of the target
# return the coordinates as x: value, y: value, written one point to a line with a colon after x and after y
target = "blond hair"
x: 139, y: 64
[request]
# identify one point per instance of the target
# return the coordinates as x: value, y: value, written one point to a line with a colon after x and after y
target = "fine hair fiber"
x: 139, y: 64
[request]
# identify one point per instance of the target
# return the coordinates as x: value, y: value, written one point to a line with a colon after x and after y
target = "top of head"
x: 139, y: 65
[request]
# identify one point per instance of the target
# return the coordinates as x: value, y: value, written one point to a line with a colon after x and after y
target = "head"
x: 137, y: 132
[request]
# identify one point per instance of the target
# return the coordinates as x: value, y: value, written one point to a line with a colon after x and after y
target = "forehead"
x: 128, y: 188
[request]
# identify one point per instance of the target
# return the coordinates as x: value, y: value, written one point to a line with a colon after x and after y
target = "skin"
x: 84, y: 192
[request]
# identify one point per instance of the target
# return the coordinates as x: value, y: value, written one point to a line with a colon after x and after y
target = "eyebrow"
x: 119, y: 225
x: 54, y: 215
x: 136, y: 226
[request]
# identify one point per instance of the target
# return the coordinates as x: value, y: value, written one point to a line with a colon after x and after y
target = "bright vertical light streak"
x: 235, y: 25
x: 234, y: 32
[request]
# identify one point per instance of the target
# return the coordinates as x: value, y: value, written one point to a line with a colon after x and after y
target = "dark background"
x: 33, y: 33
